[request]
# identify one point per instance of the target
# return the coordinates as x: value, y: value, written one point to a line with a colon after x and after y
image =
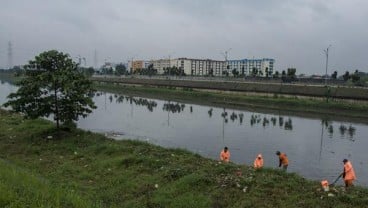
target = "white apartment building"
x: 245, y: 66
x: 160, y: 64
x: 203, y: 67
x: 183, y: 64
x: 199, y: 67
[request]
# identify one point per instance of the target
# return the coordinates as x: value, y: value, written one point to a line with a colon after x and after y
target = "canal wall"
x: 341, y: 92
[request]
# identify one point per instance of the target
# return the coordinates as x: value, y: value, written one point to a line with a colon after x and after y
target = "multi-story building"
x: 247, y: 66
x: 182, y: 63
x: 160, y: 64
x: 199, y: 67
x: 203, y: 67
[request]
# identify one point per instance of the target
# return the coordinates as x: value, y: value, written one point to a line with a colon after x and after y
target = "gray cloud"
x: 294, y: 32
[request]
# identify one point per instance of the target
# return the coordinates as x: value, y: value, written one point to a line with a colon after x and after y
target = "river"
x: 315, y: 146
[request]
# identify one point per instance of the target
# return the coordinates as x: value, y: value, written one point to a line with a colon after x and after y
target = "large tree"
x: 53, y: 86
x: 120, y: 69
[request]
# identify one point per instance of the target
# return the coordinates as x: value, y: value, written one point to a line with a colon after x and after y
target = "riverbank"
x: 89, y: 170
x: 294, y: 105
x: 263, y: 87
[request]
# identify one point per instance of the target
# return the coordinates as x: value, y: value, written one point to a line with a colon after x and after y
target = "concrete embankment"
x: 341, y: 92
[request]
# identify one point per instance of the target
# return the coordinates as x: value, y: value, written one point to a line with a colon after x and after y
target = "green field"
x: 83, y: 169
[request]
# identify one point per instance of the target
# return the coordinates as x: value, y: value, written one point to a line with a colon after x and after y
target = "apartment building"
x: 204, y: 67
x: 245, y: 66
x: 199, y: 67
x: 160, y: 64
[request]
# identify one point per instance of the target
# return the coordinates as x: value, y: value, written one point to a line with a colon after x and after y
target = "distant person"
x: 283, y: 160
x: 348, y: 175
x: 258, y: 162
x: 225, y: 155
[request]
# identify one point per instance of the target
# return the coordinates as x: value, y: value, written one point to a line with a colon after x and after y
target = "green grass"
x: 21, y: 188
x: 83, y: 169
x: 275, y: 102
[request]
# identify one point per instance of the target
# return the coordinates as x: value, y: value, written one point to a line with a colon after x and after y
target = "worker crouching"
x: 225, y: 155
x: 258, y: 162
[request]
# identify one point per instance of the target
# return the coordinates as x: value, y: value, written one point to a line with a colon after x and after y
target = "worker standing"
x: 258, y: 162
x: 225, y: 155
x: 349, y: 173
x: 283, y: 160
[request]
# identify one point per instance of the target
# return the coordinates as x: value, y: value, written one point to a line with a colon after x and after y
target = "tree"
x: 291, y: 72
x: 254, y: 71
x: 53, y: 86
x: 346, y: 76
x: 120, y: 69
x: 235, y: 72
x: 210, y: 72
x: 276, y: 75
x: 355, y: 77
x: 107, y: 70
x: 150, y: 70
x: 87, y: 71
x: 334, y: 75
x: 283, y: 73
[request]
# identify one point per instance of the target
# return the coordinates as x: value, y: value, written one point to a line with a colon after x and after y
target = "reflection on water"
x: 173, y: 107
x: 255, y: 119
x: 315, y: 147
x: 345, y: 132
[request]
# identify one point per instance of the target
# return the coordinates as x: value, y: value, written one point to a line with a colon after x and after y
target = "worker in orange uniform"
x: 258, y: 162
x: 283, y: 160
x: 348, y: 174
x: 225, y: 155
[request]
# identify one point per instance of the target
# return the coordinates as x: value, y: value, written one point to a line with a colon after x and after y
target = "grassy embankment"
x: 82, y: 169
x: 276, y: 102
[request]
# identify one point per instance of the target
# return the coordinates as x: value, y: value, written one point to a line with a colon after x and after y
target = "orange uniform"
x: 258, y: 162
x: 283, y: 159
x: 225, y: 156
x: 349, y: 173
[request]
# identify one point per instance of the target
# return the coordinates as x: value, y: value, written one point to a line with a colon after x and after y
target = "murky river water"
x: 315, y: 147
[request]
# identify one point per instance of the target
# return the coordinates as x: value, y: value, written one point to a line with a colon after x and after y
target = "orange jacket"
x: 283, y: 159
x: 225, y: 156
x: 258, y: 162
x: 349, y: 171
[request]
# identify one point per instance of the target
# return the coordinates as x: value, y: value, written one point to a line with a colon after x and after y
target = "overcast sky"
x: 293, y: 32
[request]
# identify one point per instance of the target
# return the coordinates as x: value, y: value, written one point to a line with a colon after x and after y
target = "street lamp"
x: 170, y: 54
x: 225, y: 54
x: 326, y: 52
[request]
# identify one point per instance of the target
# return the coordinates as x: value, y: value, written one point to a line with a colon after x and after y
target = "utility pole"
x: 131, y: 64
x: 170, y: 63
x: 95, y: 59
x: 131, y: 67
x: 326, y: 52
x: 225, y: 54
x: 10, y: 55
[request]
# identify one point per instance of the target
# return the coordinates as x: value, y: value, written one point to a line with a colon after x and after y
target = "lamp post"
x: 131, y: 64
x: 170, y: 54
x: 326, y: 52
x: 225, y: 54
